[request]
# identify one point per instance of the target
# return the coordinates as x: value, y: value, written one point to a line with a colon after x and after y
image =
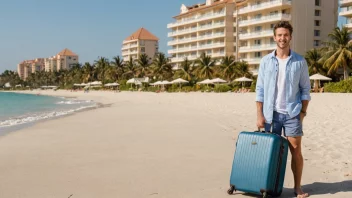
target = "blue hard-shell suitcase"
x: 259, y: 164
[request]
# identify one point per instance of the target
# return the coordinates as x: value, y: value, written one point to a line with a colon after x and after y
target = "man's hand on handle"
x: 260, y: 121
x: 260, y: 116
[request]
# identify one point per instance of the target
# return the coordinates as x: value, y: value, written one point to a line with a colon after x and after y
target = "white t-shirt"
x: 280, y: 89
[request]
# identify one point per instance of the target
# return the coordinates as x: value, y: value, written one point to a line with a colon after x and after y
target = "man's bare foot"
x: 300, y: 194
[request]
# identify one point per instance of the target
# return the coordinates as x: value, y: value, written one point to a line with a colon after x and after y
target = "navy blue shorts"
x: 292, y: 127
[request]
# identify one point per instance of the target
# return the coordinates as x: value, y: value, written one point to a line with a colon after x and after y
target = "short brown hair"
x: 283, y: 24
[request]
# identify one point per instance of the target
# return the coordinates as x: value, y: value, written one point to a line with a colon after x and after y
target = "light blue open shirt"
x: 297, y: 84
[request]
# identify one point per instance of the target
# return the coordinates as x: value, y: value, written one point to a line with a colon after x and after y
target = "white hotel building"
x: 244, y: 28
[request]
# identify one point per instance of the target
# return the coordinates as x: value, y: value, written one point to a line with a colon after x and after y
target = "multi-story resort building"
x: 140, y: 42
x: 63, y: 60
x: 244, y: 28
x: 346, y: 11
x: 25, y: 68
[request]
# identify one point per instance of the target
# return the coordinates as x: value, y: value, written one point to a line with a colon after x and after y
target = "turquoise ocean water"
x: 20, y: 110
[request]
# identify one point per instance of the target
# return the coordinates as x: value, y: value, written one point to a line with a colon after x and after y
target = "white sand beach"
x: 174, y: 145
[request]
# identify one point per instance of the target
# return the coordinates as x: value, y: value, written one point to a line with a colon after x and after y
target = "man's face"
x: 282, y: 37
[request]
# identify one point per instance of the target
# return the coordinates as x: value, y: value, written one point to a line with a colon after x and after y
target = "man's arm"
x: 260, y: 116
x: 304, y: 85
x: 260, y: 95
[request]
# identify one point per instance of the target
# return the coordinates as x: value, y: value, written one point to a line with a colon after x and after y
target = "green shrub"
x: 344, y: 86
x: 222, y: 88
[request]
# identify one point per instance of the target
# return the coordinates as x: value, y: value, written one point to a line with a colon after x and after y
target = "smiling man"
x: 282, y: 96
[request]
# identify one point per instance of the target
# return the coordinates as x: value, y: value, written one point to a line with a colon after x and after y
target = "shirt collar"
x: 273, y: 54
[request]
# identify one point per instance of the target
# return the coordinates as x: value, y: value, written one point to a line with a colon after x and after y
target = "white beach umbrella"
x: 7, y: 85
x: 218, y: 80
x: 107, y: 85
x: 95, y: 83
x: 206, y: 81
x: 18, y: 86
x: 179, y: 81
x: 243, y: 79
x: 165, y: 82
x: 114, y: 84
x: 317, y: 78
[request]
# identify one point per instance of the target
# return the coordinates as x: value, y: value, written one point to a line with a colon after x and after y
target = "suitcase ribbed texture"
x: 256, y: 163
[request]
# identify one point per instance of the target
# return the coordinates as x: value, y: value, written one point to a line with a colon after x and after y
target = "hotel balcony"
x: 265, y: 5
x: 181, y: 59
x: 252, y: 61
x: 217, y: 55
x: 347, y: 11
x: 193, y: 39
x: 345, y: 3
x: 195, y: 29
x: 258, y: 34
x: 195, y: 48
x: 196, y: 19
x: 265, y: 19
x: 256, y: 48
x: 183, y: 49
x: 349, y: 26
x: 129, y: 46
x: 210, y: 46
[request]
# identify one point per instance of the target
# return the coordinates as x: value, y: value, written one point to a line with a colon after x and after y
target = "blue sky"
x: 42, y: 28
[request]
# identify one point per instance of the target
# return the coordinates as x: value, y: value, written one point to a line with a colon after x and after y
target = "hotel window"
x: 258, y: 16
x: 272, y: 26
x: 316, y: 43
x: 317, y: 12
x: 317, y: 22
x: 258, y: 28
x: 257, y: 54
x: 142, y: 49
x: 317, y: 2
x: 257, y: 42
x: 272, y: 41
x: 316, y: 32
x: 274, y: 13
x: 141, y: 43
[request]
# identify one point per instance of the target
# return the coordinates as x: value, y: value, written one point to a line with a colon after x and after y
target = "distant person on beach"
x: 282, y: 96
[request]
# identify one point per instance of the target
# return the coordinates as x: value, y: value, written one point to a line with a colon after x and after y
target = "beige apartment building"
x: 244, y: 28
x: 140, y: 42
x: 63, y: 60
x: 346, y: 11
x: 25, y: 68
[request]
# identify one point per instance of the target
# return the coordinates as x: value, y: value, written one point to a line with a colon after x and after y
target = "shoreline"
x: 13, y: 128
x: 166, y: 145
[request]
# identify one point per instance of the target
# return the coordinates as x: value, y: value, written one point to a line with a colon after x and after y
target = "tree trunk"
x: 316, y: 86
x: 345, y: 74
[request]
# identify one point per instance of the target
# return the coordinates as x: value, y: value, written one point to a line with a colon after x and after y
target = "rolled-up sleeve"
x: 304, y: 82
x: 260, y: 83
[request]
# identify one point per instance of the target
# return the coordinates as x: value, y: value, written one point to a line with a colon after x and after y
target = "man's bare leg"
x: 297, y: 164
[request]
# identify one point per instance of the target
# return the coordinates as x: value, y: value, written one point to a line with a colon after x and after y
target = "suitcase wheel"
x: 230, y: 191
x: 265, y: 195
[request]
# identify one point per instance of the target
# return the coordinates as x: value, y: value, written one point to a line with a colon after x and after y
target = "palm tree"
x: 143, y: 65
x: 161, y: 67
x: 102, y: 66
x: 205, y: 66
x: 119, y: 64
x: 338, y: 51
x: 313, y: 58
x: 130, y: 69
x: 228, y: 68
x: 87, y: 72
x: 185, y: 71
x: 242, y: 69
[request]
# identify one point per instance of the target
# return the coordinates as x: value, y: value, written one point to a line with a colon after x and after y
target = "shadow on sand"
x: 316, y: 188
